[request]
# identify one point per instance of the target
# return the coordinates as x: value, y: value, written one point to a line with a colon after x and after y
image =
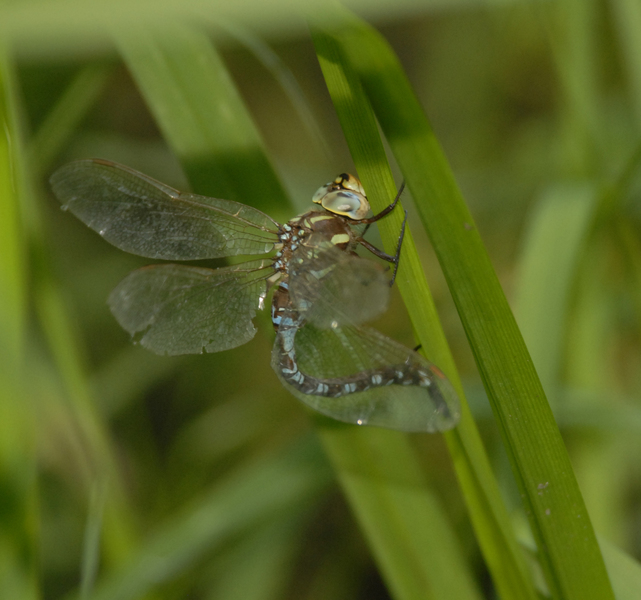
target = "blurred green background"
x: 206, y: 460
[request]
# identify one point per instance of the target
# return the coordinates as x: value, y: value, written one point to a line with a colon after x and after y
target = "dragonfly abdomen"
x: 407, y: 373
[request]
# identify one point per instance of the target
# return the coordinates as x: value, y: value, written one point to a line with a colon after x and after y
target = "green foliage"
x: 144, y: 476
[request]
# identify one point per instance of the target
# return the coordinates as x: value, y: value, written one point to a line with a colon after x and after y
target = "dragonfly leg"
x: 386, y: 211
x: 383, y: 255
x: 398, y: 249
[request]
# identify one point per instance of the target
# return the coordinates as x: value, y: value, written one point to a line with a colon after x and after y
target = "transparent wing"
x: 351, y: 355
x: 176, y: 309
x: 143, y: 216
x: 333, y: 287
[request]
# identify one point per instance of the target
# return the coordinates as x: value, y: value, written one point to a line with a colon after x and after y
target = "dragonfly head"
x: 344, y: 196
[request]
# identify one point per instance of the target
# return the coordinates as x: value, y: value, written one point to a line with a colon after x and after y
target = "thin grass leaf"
x: 552, y: 250
x: 77, y: 409
x: 627, y: 15
x: 625, y: 571
x: 412, y: 557
x: 91, y: 542
x: 201, y: 115
x: 574, y: 37
x: 285, y: 78
x: 48, y: 30
x: 482, y: 495
x: 568, y: 552
x: 18, y: 515
x: 261, y: 566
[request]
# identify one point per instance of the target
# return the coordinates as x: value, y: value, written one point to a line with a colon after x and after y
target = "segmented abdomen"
x: 407, y: 373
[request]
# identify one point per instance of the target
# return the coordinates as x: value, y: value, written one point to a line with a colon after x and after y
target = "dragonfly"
x: 323, y: 292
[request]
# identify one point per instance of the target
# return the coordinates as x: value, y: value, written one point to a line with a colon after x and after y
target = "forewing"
x: 330, y: 286
x: 340, y: 353
x: 143, y: 216
x: 176, y: 309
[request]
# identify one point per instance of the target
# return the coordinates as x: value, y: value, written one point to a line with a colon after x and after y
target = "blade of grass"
x: 260, y: 566
x: 285, y: 78
x: 18, y: 515
x: 573, y: 39
x: 552, y: 250
x: 78, y: 409
x: 482, y: 495
x: 402, y: 519
x: 624, y: 570
x: 433, y: 556
x: 201, y: 114
x: 568, y: 551
x: 47, y: 30
x: 627, y: 14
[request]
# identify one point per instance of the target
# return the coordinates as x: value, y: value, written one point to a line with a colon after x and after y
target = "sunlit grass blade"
x: 627, y: 14
x: 261, y: 565
x: 357, y: 121
x: 554, y: 244
x: 18, y: 516
x: 567, y: 547
x: 406, y: 527
x: 482, y: 495
x: 624, y: 571
x: 201, y: 114
x: 74, y: 409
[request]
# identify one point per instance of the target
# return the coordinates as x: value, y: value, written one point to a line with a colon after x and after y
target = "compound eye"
x: 344, y: 196
x: 321, y: 192
x: 349, y: 182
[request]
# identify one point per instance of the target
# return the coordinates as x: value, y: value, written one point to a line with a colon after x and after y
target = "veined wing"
x: 176, y: 309
x: 143, y: 216
x: 357, y: 375
x: 331, y: 287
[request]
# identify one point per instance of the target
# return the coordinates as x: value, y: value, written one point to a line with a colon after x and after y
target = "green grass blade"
x: 627, y: 14
x: 18, y: 509
x: 260, y: 567
x: 568, y: 551
x: 75, y: 406
x: 552, y: 250
x: 624, y: 571
x: 285, y: 79
x: 402, y: 519
x: 359, y: 126
x: 201, y: 115
x: 482, y: 495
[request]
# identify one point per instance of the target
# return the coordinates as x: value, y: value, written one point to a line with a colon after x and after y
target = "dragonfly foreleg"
x: 383, y: 255
x: 386, y: 211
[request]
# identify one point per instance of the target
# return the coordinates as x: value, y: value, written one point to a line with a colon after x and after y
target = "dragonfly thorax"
x: 317, y: 232
x: 313, y: 230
